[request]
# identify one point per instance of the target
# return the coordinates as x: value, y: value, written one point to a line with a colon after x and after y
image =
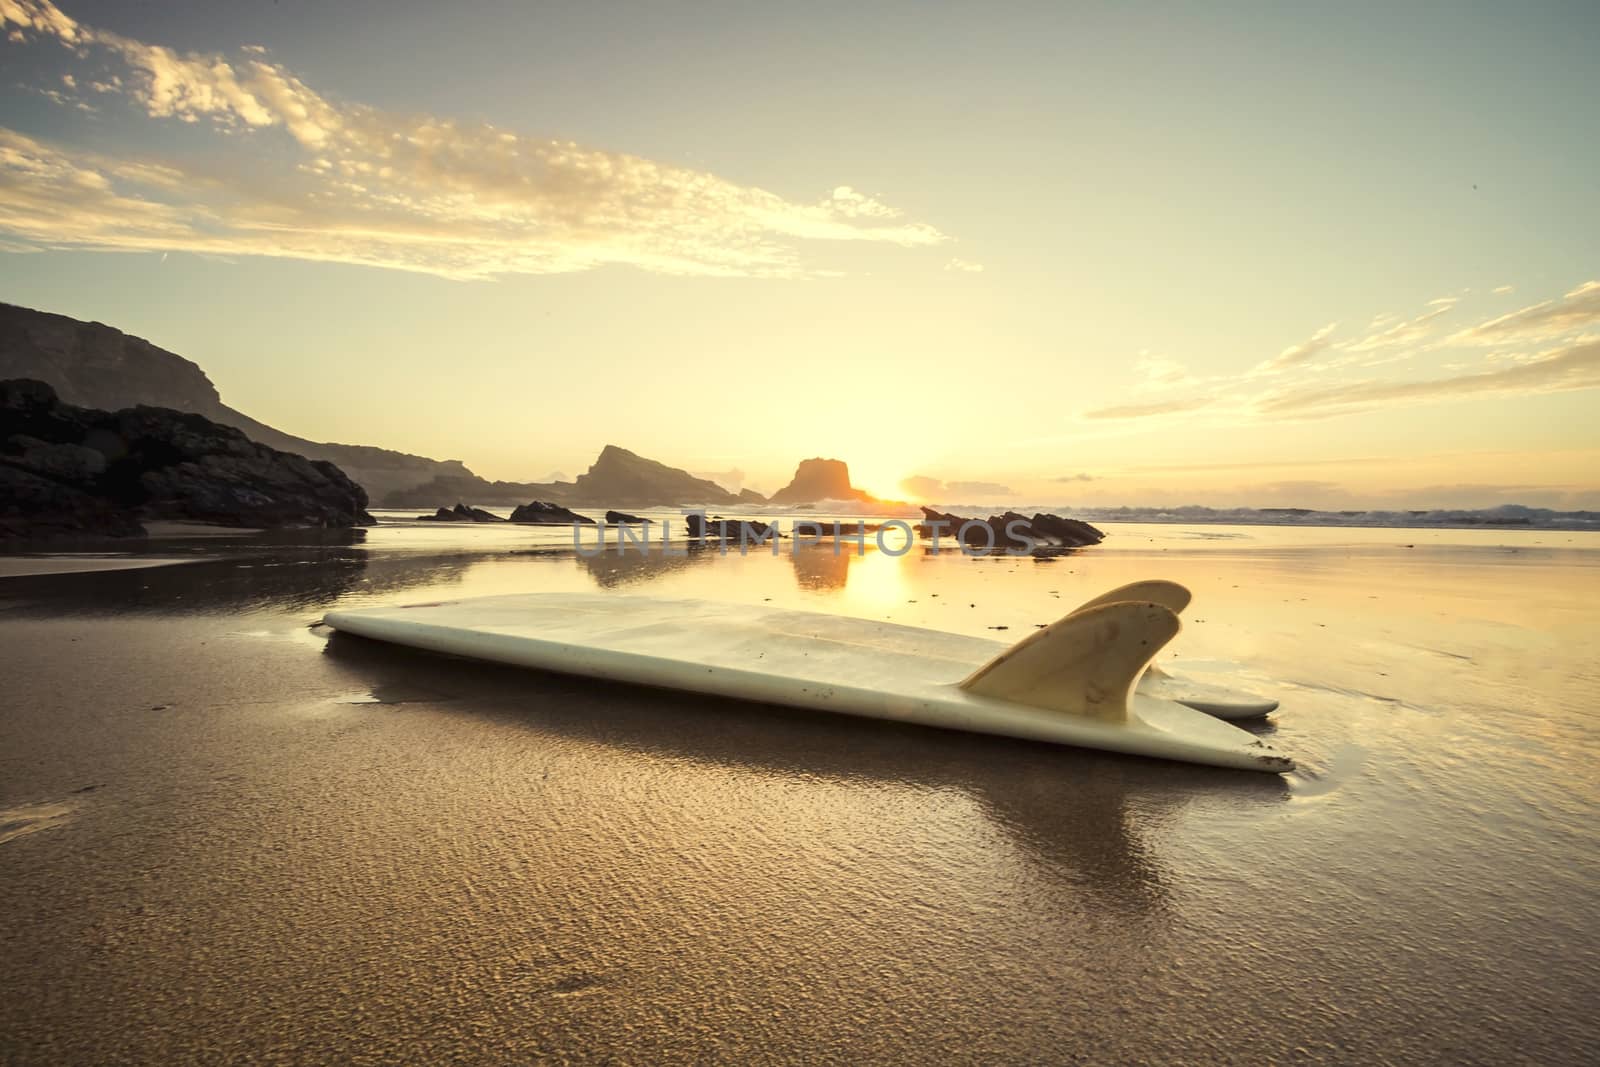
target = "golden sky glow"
x: 981, y: 256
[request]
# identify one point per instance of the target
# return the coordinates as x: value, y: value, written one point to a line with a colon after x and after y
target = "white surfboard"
x: 1071, y: 683
x: 1222, y: 701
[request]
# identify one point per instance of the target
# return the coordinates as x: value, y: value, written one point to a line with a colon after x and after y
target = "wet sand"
x: 31, y: 566
x: 225, y: 834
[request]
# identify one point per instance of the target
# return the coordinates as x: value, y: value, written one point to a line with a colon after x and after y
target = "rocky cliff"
x: 820, y: 479
x: 74, y: 471
x: 94, y: 365
x: 620, y: 478
x: 469, y: 486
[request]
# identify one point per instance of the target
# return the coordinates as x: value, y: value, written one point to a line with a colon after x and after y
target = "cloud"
x: 301, y: 175
x: 957, y: 263
x: 1303, y: 352
x: 1574, y: 367
x: 927, y: 488
x: 1577, y: 310
x: 977, y: 489
x: 1160, y: 372
x: 1140, y: 411
x: 1079, y: 477
x: 1306, y: 386
x: 1407, y: 331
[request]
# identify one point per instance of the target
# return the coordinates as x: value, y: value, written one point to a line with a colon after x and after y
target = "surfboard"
x: 1071, y: 683
x: 1222, y: 701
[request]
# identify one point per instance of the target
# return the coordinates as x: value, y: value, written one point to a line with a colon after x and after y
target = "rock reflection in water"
x: 276, y: 573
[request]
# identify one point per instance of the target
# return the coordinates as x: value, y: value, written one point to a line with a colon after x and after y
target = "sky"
x: 1234, y: 254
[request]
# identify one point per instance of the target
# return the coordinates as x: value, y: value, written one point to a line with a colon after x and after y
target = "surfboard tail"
x: 1084, y: 664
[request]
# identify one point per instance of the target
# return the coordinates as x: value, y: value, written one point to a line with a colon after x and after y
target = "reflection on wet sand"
x: 819, y: 567
x: 1079, y: 816
x: 251, y: 577
x: 619, y: 567
x: 816, y: 567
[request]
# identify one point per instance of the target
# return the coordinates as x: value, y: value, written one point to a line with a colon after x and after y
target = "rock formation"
x: 1049, y: 531
x: 72, y: 471
x: 461, y: 513
x: 622, y: 518
x: 619, y: 478
x: 819, y: 479
x: 468, y: 486
x: 542, y: 513
x: 701, y: 528
x: 93, y: 365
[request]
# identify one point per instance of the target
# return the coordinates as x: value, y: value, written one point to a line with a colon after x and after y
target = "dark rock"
x: 74, y: 464
x: 724, y: 529
x: 79, y: 471
x: 1068, y: 533
x: 541, y: 513
x: 1047, y: 532
x: 468, y: 486
x: 92, y: 365
x: 460, y: 513
x: 622, y: 518
x: 819, y: 479
x: 619, y: 477
x: 32, y: 507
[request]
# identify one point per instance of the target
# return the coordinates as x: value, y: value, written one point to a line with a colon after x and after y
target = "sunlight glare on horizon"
x: 1120, y: 255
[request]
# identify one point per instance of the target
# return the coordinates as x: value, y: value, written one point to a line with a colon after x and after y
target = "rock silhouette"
x: 542, y: 513
x: 74, y: 471
x: 93, y: 365
x: 1043, y: 530
x: 460, y: 513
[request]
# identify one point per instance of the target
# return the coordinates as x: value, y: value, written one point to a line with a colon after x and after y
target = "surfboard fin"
x: 1169, y: 595
x: 1084, y: 664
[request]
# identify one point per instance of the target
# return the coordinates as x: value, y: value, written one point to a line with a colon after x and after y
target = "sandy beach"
x: 227, y: 835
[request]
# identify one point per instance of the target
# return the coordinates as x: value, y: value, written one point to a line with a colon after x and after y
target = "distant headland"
x: 94, y: 365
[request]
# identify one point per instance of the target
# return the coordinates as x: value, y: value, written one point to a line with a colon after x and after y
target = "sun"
x: 880, y: 479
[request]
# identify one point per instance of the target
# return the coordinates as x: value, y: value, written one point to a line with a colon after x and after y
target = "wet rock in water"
x: 72, y: 471
x: 542, y: 513
x: 460, y: 513
x: 1068, y: 533
x: 1042, y: 533
x: 724, y: 529
x: 622, y: 518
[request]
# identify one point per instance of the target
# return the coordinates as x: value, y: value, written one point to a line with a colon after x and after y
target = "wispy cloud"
x: 1303, y: 352
x: 1406, y: 331
x: 1315, y: 378
x: 1140, y: 411
x: 309, y: 177
x: 1578, y: 309
x: 966, y: 265
x: 1157, y: 372
x: 1574, y: 367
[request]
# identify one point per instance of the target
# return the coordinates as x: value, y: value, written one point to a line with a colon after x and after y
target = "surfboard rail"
x: 1075, y: 679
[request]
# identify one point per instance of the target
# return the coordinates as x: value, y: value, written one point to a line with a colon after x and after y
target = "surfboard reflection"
x: 1085, y: 825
